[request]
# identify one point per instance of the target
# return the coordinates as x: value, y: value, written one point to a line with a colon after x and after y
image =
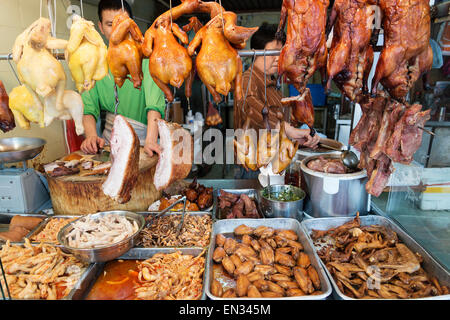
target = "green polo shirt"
x: 134, y: 103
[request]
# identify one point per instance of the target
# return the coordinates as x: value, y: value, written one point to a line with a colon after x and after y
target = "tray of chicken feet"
x: 42, y: 272
x: 150, y: 274
x: 370, y: 257
x: 237, y: 204
x: 263, y: 258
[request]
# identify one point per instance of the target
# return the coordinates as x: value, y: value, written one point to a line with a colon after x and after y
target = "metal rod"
x: 242, y: 53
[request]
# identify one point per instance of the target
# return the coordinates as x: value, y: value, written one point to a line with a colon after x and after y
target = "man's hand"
x: 151, y: 147
x: 91, y: 144
x: 302, y: 136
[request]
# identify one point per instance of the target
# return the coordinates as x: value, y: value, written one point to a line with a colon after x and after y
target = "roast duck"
x: 218, y: 63
x: 169, y: 62
x: 86, y: 54
x: 125, y: 50
x: 406, y: 52
x: 304, y: 52
x: 351, y: 54
x: 7, y: 122
x: 42, y: 76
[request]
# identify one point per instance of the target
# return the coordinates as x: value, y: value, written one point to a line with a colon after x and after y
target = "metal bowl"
x: 20, y: 149
x: 107, y: 252
x: 281, y: 209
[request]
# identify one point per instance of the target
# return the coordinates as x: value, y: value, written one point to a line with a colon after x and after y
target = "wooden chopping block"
x: 77, y: 195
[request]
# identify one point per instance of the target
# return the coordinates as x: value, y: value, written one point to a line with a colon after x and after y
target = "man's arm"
x: 154, y: 107
x: 91, y: 114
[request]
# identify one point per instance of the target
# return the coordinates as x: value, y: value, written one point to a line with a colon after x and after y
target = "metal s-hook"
x: 249, y: 80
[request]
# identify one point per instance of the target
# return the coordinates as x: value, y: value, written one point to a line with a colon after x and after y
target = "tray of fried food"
x: 48, y: 230
x: 199, y: 197
x: 150, y: 274
x: 237, y: 204
x: 370, y: 257
x: 195, y: 232
x: 264, y: 259
x: 15, y: 228
x: 41, y: 271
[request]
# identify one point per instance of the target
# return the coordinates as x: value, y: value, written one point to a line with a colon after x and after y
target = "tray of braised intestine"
x: 237, y: 204
x: 195, y: 232
x: 150, y: 274
x: 370, y: 257
x: 263, y: 259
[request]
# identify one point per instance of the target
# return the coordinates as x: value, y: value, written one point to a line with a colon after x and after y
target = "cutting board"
x: 79, y: 195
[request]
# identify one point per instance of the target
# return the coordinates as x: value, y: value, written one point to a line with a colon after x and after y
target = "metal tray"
x: 251, y: 193
x: 146, y: 214
x: 5, y: 219
x: 137, y: 254
x: 228, y: 226
x: 78, y: 288
x: 42, y: 225
x: 430, y: 265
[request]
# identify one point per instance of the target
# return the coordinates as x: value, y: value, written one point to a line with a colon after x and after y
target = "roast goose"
x: 7, y: 122
x: 305, y: 50
x: 407, y: 51
x: 175, y: 160
x: 124, y: 172
x: 351, y: 54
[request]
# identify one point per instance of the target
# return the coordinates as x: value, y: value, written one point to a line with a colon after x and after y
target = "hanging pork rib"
x: 124, y: 171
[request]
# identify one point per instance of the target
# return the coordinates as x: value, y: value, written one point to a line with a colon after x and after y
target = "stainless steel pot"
x: 335, y: 195
x: 281, y: 209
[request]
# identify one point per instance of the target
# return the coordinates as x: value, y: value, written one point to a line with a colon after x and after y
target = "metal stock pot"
x: 335, y: 195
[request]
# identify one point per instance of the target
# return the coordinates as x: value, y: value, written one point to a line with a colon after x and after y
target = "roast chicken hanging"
x: 406, y: 52
x: 86, y: 54
x: 305, y: 49
x: 351, y: 54
x: 37, y: 67
x: 7, y: 122
x: 125, y: 50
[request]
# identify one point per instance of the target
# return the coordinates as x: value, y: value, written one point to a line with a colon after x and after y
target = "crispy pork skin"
x: 175, y: 160
x: 124, y: 170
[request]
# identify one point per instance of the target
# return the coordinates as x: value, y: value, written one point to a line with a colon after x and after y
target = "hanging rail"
x: 242, y: 53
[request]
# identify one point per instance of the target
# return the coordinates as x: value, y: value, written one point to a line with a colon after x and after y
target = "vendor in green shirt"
x: 142, y: 107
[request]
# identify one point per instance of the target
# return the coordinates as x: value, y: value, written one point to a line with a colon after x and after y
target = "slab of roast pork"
x: 175, y: 160
x: 124, y: 171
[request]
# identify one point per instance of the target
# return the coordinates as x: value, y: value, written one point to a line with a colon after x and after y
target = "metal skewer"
x: 426, y: 130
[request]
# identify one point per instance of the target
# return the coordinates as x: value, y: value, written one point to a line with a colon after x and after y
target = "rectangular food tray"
x: 42, y: 225
x: 78, y: 289
x: 430, y: 265
x: 228, y: 226
x: 136, y: 254
x: 251, y: 193
x: 5, y: 219
x: 147, y: 214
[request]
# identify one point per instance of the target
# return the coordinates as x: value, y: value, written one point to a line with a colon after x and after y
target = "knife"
x: 102, y: 155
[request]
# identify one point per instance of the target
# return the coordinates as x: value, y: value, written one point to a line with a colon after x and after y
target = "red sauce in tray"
x: 116, y: 282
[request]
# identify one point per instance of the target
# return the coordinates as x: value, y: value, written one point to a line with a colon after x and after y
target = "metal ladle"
x: 349, y: 158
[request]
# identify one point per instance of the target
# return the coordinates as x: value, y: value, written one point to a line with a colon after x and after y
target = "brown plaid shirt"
x: 255, y: 101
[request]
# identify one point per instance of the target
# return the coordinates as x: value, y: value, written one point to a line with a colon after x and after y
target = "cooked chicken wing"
x: 73, y: 109
x: 86, y: 54
x: 125, y: 50
x: 286, y: 152
x: 26, y: 107
x: 246, y: 148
